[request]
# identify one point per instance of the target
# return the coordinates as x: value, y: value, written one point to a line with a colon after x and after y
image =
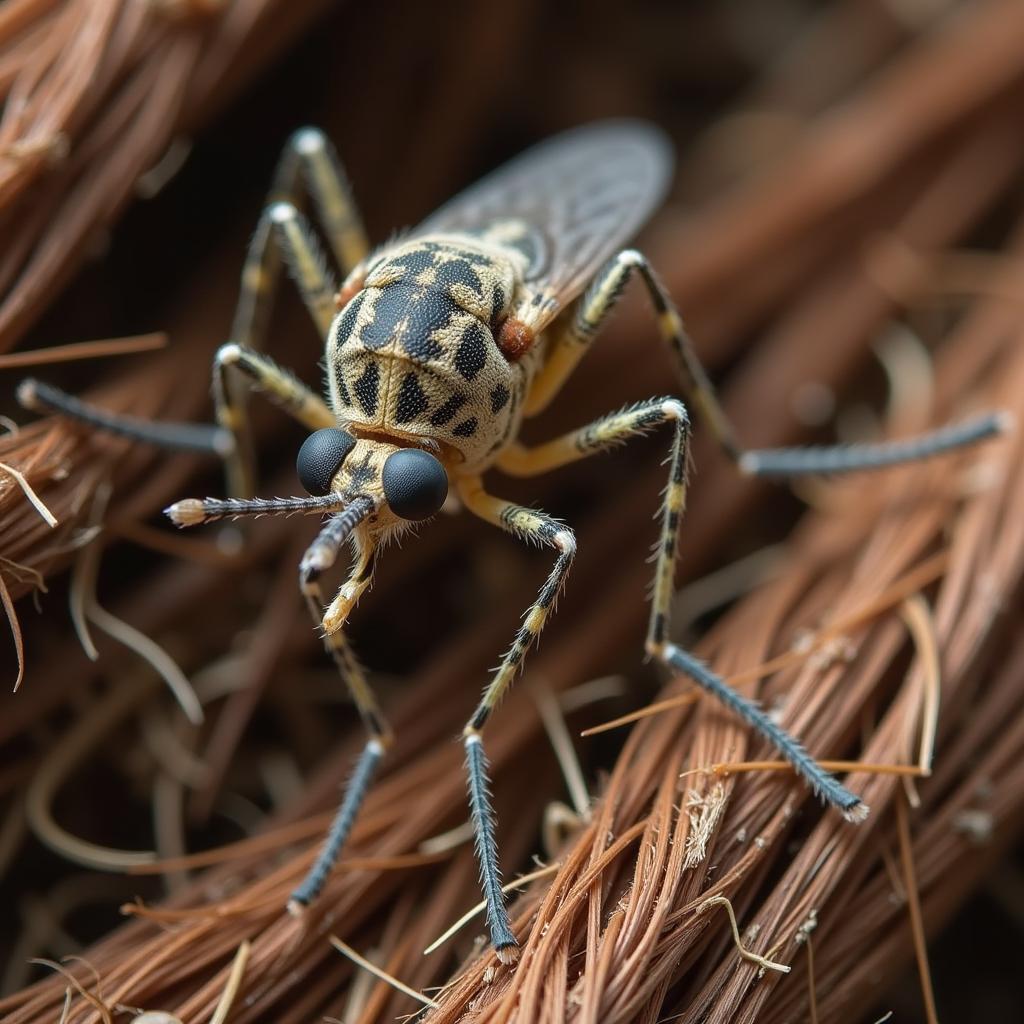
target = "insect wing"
x: 568, y: 205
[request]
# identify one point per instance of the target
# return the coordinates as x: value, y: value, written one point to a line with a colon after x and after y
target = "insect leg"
x: 237, y: 370
x: 308, y: 159
x: 533, y: 527
x: 595, y: 308
x: 281, y: 229
x: 607, y: 432
x: 318, y: 558
x: 230, y: 438
x: 309, y: 154
x: 182, y: 437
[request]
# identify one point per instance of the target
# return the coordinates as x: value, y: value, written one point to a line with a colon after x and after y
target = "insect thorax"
x: 413, y: 352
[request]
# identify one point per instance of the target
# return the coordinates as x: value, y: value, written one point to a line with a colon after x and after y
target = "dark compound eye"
x: 415, y: 483
x: 321, y: 456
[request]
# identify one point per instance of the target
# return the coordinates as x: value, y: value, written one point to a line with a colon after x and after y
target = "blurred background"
x: 824, y: 158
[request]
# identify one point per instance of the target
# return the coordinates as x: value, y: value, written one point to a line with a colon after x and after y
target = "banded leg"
x: 307, y: 155
x: 595, y: 308
x: 307, y: 159
x: 281, y: 227
x: 237, y: 370
x: 614, y: 429
x: 228, y: 441
x: 533, y: 527
x: 319, y: 557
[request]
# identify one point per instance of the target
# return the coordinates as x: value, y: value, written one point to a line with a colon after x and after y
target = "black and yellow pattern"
x: 413, y: 354
x: 412, y: 361
x: 319, y: 557
x: 309, y: 159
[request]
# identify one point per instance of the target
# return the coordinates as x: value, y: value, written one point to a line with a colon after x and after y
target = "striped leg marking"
x: 281, y: 229
x: 308, y: 159
x: 595, y: 308
x: 319, y: 557
x: 532, y: 527
x: 310, y: 154
x: 607, y: 432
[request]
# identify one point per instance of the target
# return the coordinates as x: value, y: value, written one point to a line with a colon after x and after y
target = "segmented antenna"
x: 194, y: 511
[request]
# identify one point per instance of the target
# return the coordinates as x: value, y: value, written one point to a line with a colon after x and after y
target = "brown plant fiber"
x: 875, y: 616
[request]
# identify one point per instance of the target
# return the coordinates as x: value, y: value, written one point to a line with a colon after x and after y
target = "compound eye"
x: 321, y: 456
x: 415, y: 484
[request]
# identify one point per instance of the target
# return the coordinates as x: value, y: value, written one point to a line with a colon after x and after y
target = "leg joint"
x: 282, y: 212
x: 674, y: 409
x: 308, y: 140
x: 632, y: 258
x: 565, y: 541
x: 229, y: 354
x: 310, y: 569
x: 654, y: 645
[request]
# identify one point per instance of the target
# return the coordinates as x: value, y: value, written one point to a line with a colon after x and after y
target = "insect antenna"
x: 194, y: 511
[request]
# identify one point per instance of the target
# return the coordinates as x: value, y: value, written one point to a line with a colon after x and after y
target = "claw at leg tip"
x: 857, y: 813
x: 508, y: 955
x: 188, y: 512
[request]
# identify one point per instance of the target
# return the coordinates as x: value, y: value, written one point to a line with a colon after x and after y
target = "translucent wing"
x: 568, y: 204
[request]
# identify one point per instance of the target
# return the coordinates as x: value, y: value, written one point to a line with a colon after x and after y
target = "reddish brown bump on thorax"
x: 514, y: 339
x: 345, y: 295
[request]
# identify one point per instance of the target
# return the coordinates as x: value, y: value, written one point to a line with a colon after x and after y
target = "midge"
x: 438, y: 344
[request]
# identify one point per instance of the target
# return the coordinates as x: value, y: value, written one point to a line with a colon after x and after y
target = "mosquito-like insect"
x: 438, y: 344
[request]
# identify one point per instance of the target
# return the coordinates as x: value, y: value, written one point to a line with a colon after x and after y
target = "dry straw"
x: 694, y: 869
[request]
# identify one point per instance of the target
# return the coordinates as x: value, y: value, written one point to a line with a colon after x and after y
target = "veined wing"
x: 568, y: 204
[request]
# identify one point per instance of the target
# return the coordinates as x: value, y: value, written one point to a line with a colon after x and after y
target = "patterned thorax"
x: 413, y: 353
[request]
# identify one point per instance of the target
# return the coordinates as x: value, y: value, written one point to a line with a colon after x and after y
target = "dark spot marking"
x: 472, y: 351
x: 499, y: 396
x: 443, y: 414
x: 417, y: 261
x: 458, y: 271
x: 412, y: 401
x: 467, y: 428
x: 659, y: 627
x: 347, y: 320
x: 498, y: 301
x: 361, y: 474
x: 368, y: 569
x: 412, y: 314
x: 366, y: 388
x: 428, y: 311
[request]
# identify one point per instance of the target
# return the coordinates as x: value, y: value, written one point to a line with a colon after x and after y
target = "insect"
x: 438, y: 345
